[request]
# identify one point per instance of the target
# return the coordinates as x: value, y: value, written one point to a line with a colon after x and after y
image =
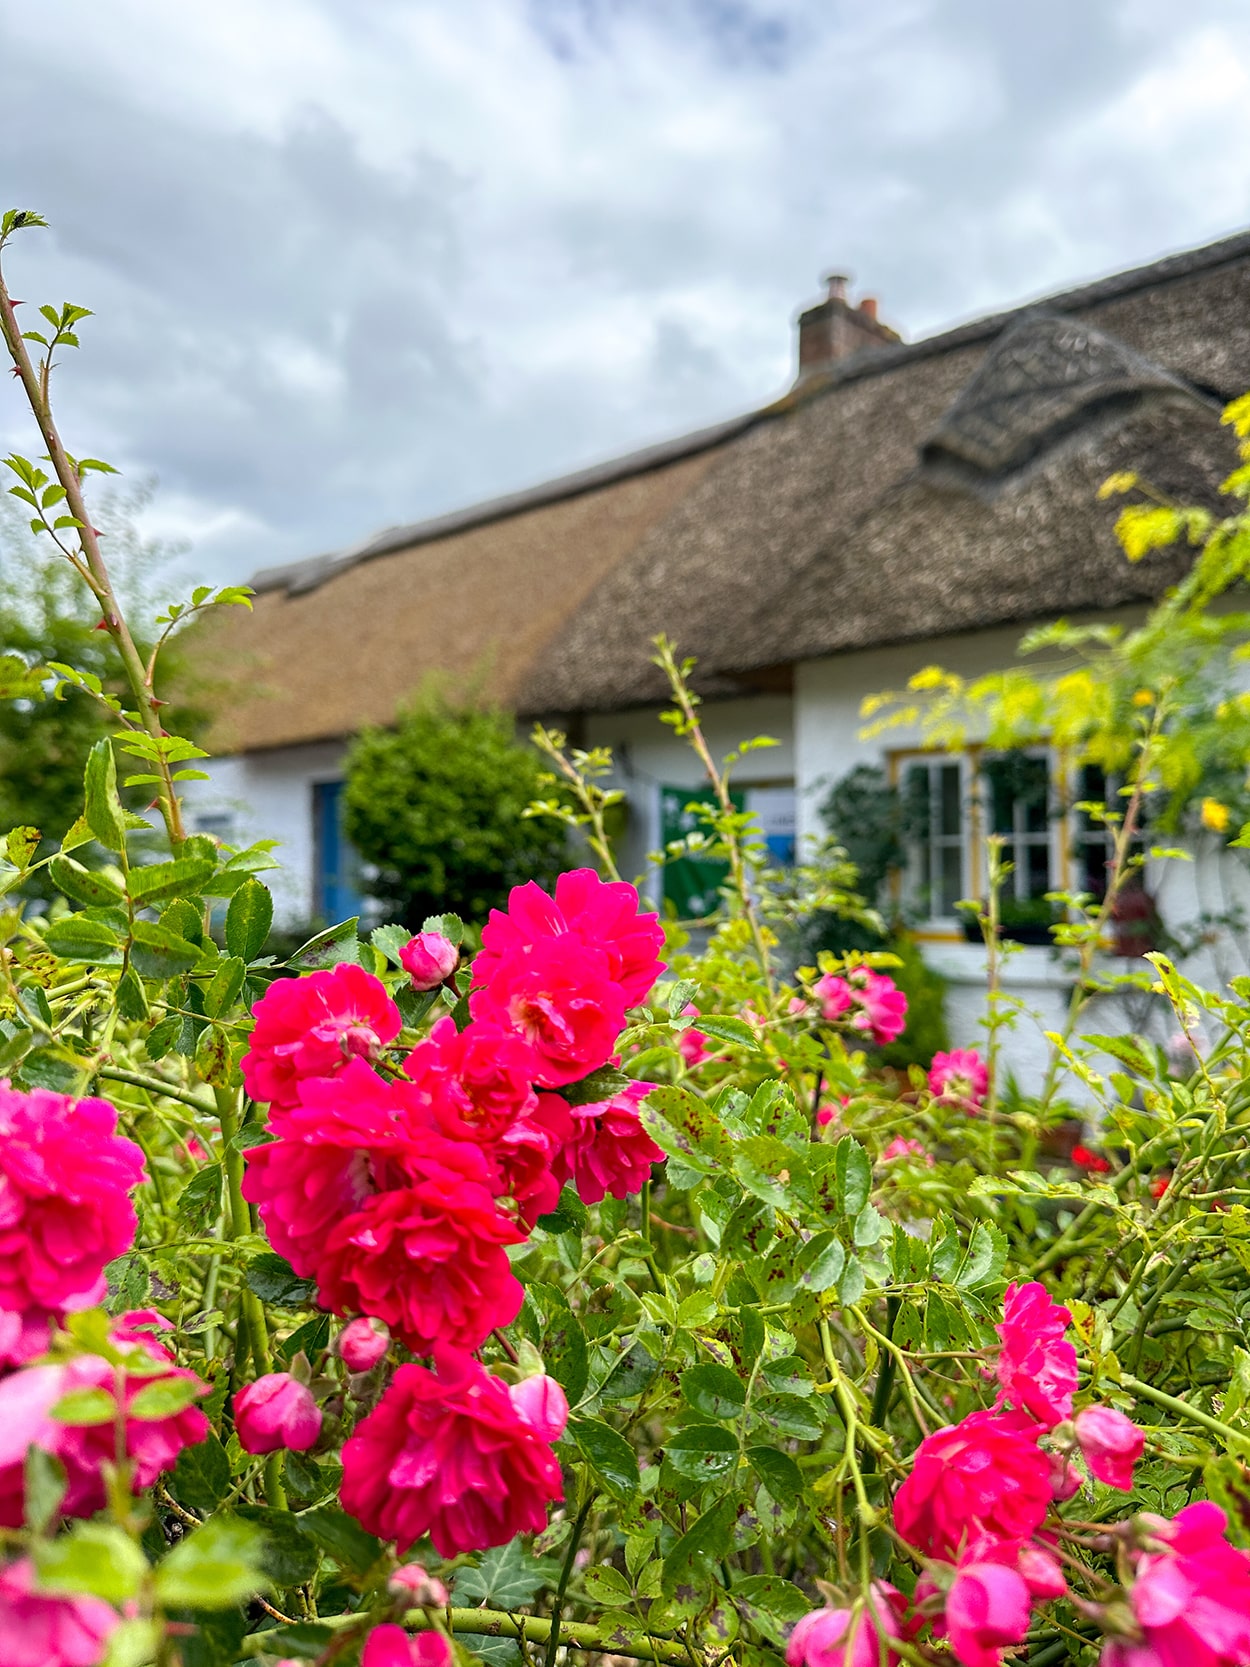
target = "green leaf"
x: 328, y: 948
x: 390, y: 940
x: 854, y: 1175
x: 132, y: 999
x: 772, y: 1605
x: 767, y: 1167
x: 714, y: 1391
x: 128, y: 1282
x: 506, y: 1577
x: 702, y: 1451
x: 274, y: 1280
x: 687, y: 1127
x: 164, y: 1398
x: 199, y: 1202
x: 155, y: 881
x: 217, y: 1566
x: 226, y: 986
x: 156, y: 952
x: 820, y: 1262
x: 78, y: 938
x: 248, y: 920
x: 105, y: 815
x: 778, y: 1472
x: 565, y: 1355
x: 289, y: 1556
x: 342, y: 1537
x: 85, y: 1407
x: 20, y: 845
x: 202, y: 1475
x: 693, y: 1559
x: 569, y: 1215
x: 790, y: 1415
x: 607, y: 1585
x: 731, y: 1030
x: 94, y: 1558
x: 44, y: 1489
x: 608, y: 1454
x: 599, y: 1086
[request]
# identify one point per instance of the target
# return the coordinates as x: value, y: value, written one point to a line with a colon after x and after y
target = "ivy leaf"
x: 506, y: 1577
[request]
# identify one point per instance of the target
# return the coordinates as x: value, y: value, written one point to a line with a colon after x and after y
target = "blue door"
x: 336, y: 893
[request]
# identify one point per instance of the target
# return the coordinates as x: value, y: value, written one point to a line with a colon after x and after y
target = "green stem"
x: 154, y: 1085
x: 496, y: 1623
x: 1182, y: 1409
x: 553, y: 1637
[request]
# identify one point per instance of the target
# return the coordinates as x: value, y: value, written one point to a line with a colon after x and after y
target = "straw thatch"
x: 909, y: 492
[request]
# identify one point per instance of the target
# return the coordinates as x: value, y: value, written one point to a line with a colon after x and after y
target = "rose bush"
x: 620, y: 1285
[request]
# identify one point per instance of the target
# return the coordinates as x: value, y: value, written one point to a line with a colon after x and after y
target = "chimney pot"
x: 835, y: 283
x: 833, y: 330
x: 868, y: 306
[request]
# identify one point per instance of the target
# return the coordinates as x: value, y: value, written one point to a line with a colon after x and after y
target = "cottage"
x: 900, y: 504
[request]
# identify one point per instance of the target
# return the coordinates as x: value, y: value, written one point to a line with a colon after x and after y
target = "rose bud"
x: 276, y: 1412
x: 415, y: 1586
x: 1111, y: 1445
x: 429, y: 959
x: 362, y: 1343
x: 390, y: 1646
x: 540, y: 1403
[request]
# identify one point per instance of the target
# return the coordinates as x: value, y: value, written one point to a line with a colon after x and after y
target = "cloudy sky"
x: 359, y: 261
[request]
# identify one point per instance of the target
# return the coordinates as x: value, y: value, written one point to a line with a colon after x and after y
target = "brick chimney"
x: 833, y: 329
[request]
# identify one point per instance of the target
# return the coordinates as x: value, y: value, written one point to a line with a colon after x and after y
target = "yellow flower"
x: 1144, y: 697
x: 1214, y: 815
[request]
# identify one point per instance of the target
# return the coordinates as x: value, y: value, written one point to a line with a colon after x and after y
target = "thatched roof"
x: 910, y: 491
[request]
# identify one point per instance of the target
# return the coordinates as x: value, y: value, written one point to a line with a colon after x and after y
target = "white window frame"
x: 900, y: 764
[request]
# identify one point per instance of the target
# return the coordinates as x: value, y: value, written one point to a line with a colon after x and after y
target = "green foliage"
x: 437, y: 805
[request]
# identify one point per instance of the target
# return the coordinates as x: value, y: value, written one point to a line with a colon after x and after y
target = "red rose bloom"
x: 448, y: 1455
x: 1037, y: 1365
x: 559, y: 996
x: 65, y: 1210
x: 427, y: 1259
x: 477, y: 1081
x: 983, y: 1476
x: 312, y: 1027
x: 604, y: 915
x: 608, y: 1150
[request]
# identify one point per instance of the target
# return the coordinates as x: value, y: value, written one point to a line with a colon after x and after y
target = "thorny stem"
x: 557, y: 1603
x: 690, y: 728
x: 96, y: 571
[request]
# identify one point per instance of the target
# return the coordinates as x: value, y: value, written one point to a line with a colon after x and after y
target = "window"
x: 1093, y: 839
x: 336, y: 890
x: 692, y: 884
x: 1016, y: 795
x: 949, y: 804
x: 934, y: 813
x: 218, y: 823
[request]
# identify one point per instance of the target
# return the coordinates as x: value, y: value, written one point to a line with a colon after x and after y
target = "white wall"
x: 268, y: 795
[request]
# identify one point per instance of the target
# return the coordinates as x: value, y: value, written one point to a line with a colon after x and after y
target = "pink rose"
x: 429, y: 959
x: 276, y: 1413
x: 856, y: 1637
x: 362, y: 1343
x: 416, y: 1587
x: 541, y: 1403
x: 692, y: 1043
x: 870, y: 1002
x: 982, y: 1476
x: 65, y: 1211
x: 960, y: 1075
x: 1036, y: 1365
x: 557, y: 994
x: 604, y: 916
x: 50, y: 1629
x: 1111, y: 1445
x: 900, y: 1148
x: 608, y: 1150
x: 23, y: 1337
x: 1191, y: 1597
x: 987, y: 1611
x: 28, y: 1396
x: 391, y: 1646
x: 312, y: 1027
x: 448, y: 1454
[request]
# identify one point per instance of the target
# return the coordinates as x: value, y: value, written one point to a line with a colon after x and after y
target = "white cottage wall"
x: 269, y: 795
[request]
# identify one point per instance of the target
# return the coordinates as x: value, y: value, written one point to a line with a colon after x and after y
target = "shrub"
x: 436, y: 806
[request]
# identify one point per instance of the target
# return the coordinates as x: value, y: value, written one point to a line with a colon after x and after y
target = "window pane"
x: 1036, y: 865
x: 952, y: 879
x: 1000, y: 799
x: 1034, y: 789
x: 952, y: 820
